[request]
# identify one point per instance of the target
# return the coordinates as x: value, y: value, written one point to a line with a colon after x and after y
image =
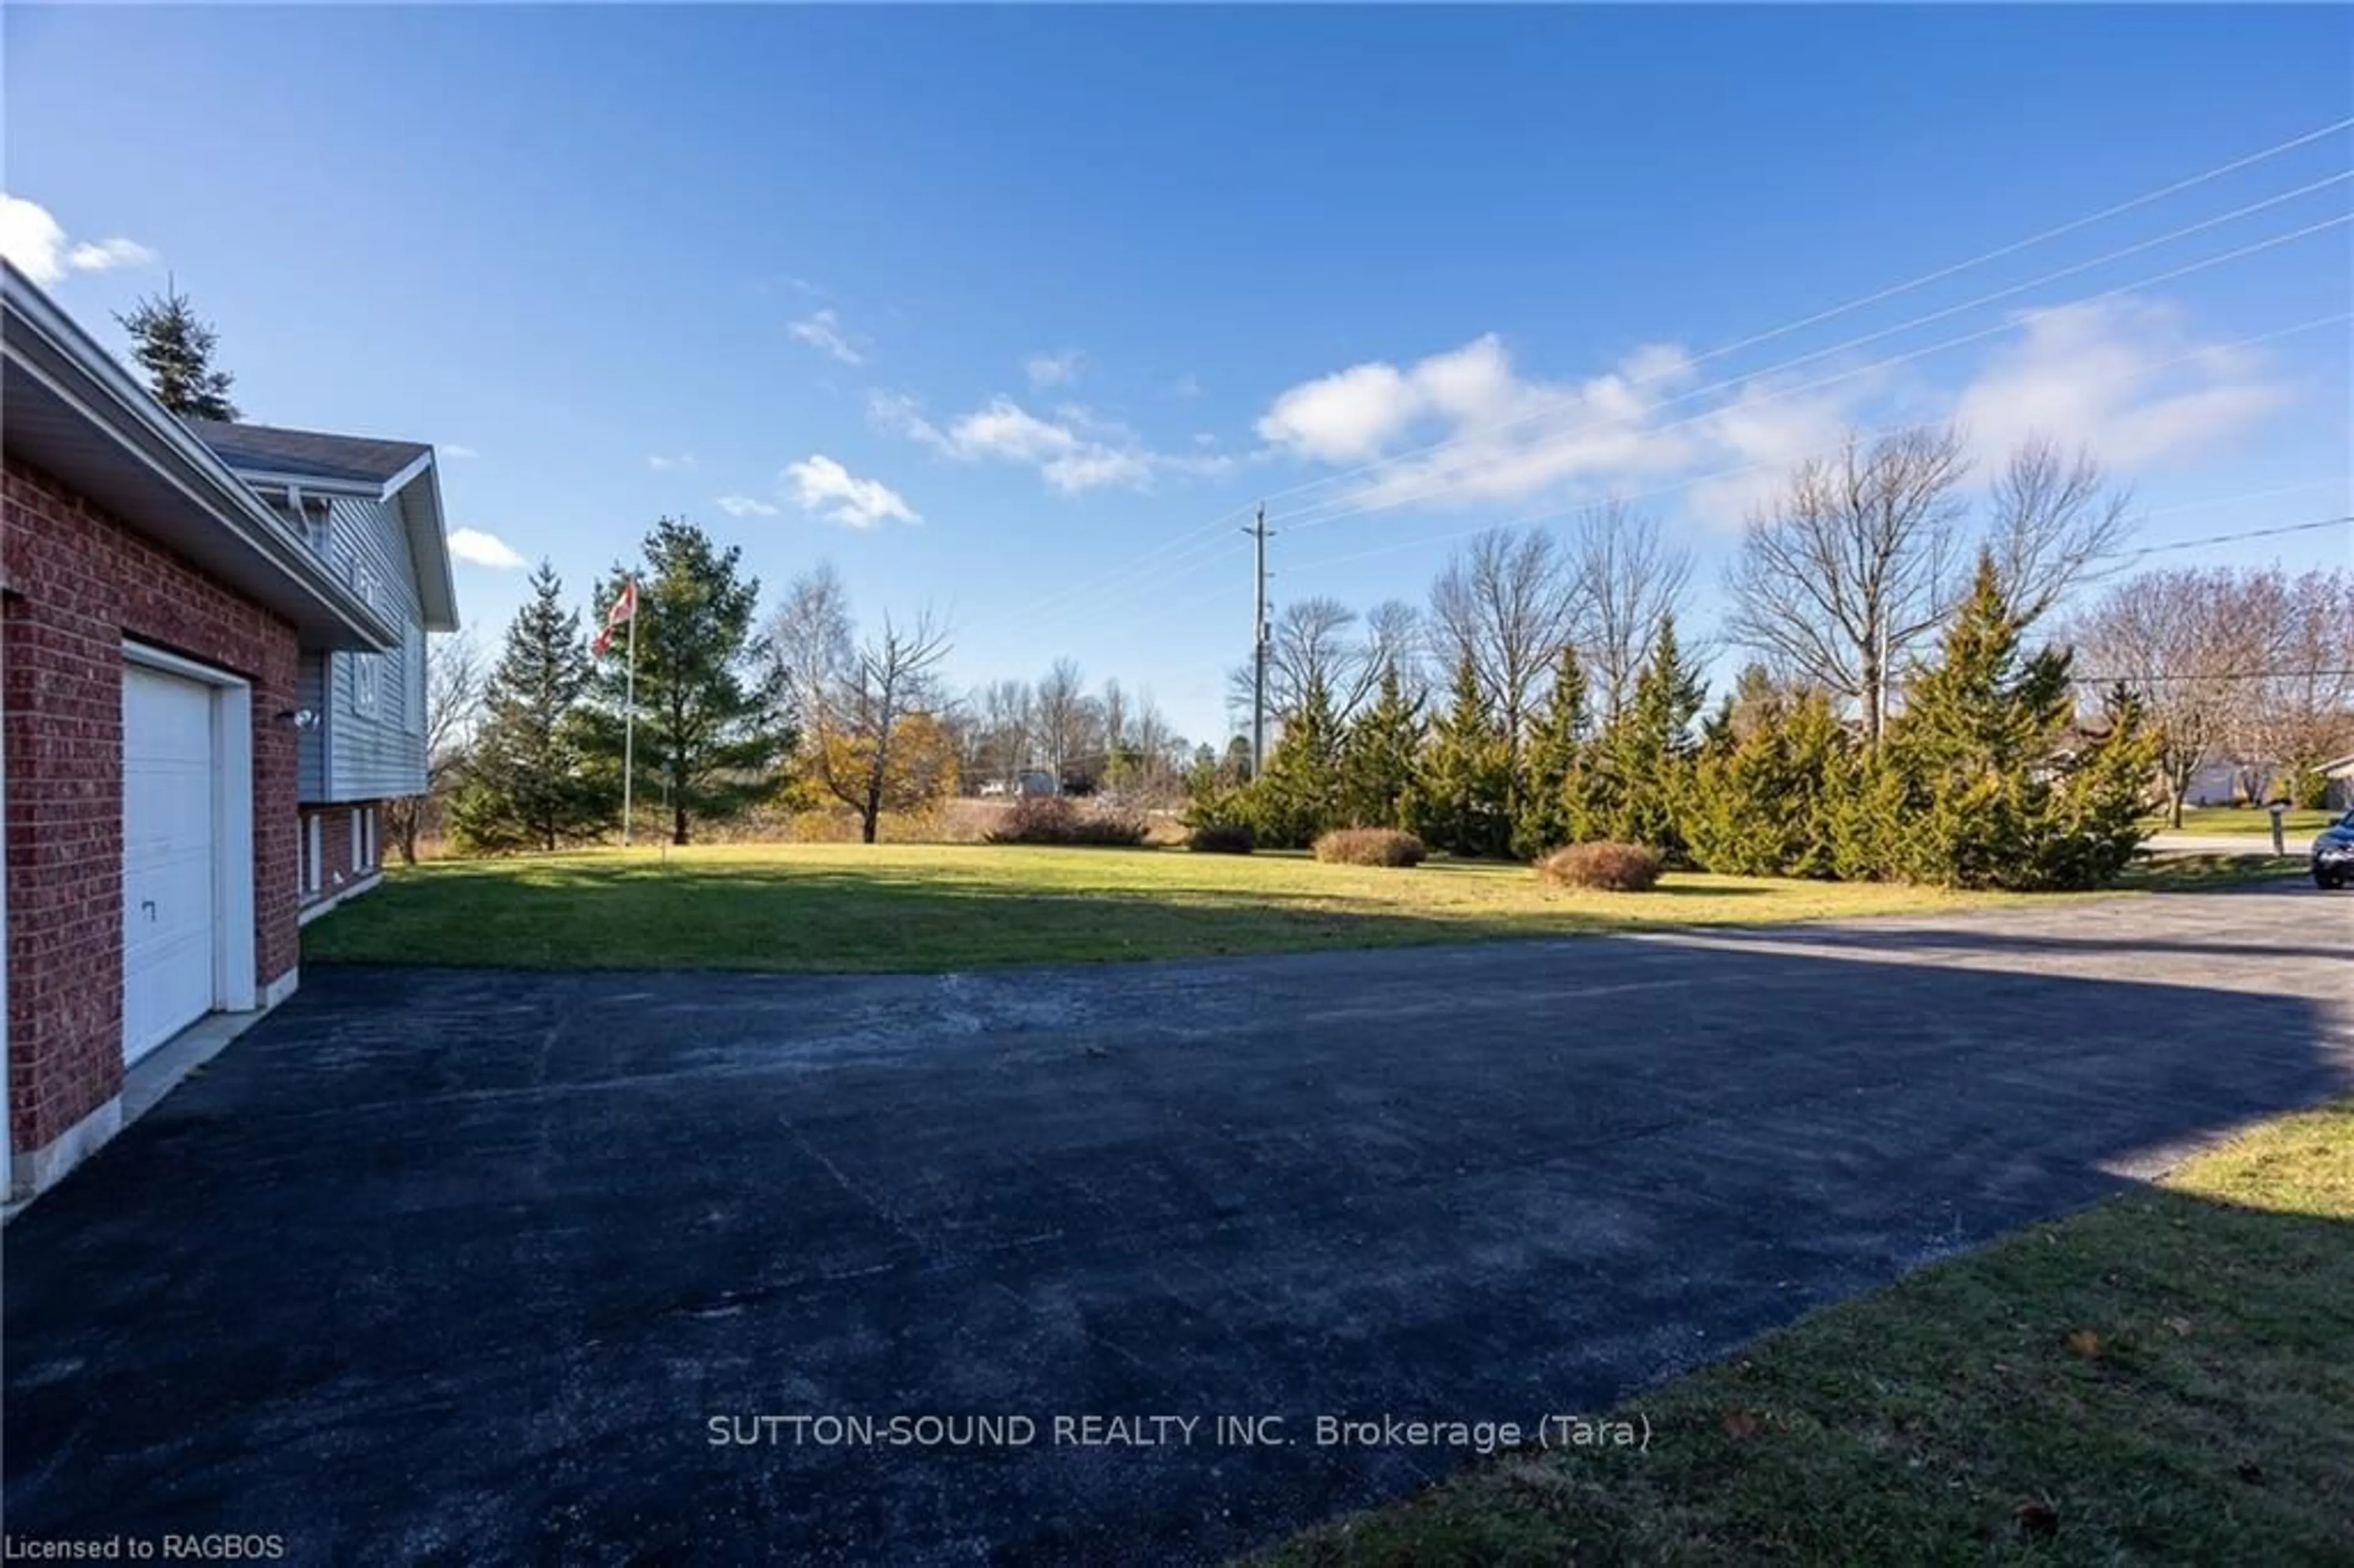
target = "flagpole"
x: 630, y: 712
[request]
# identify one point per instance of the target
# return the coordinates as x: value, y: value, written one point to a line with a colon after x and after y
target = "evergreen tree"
x: 1298, y: 796
x: 526, y: 787
x: 1997, y: 789
x: 1377, y: 758
x: 175, y: 348
x: 709, y: 729
x: 1643, y: 758
x: 1463, y: 783
x: 1767, y: 804
x: 1553, y: 765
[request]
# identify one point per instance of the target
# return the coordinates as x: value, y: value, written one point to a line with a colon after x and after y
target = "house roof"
x: 402, y: 472
x: 75, y: 412
x: 315, y: 454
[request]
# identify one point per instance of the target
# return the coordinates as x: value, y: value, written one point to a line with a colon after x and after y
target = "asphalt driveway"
x: 464, y: 1265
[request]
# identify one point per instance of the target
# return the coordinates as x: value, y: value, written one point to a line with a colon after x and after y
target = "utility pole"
x: 1257, y: 530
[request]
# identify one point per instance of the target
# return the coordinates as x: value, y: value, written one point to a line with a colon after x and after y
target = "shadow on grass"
x: 961, y: 913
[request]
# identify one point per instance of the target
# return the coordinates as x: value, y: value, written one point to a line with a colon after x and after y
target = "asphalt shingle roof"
x: 267, y: 448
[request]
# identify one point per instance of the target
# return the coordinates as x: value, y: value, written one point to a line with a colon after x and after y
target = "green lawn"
x: 2189, y: 872
x: 2299, y: 826
x: 2167, y: 1378
x: 945, y: 906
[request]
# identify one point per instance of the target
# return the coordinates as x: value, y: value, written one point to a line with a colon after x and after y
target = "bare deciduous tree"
x: 1506, y: 603
x: 809, y: 643
x: 1070, y: 723
x: 2056, y: 523
x: 1008, y: 712
x: 2300, y: 711
x: 1630, y: 578
x: 1852, y: 568
x: 2176, y: 639
x: 1393, y: 639
x: 453, y: 701
x: 891, y: 677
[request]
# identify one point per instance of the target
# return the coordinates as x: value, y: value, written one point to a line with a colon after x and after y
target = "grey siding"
x: 374, y: 744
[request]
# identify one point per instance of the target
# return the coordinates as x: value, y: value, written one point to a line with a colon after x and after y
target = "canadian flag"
x: 625, y: 608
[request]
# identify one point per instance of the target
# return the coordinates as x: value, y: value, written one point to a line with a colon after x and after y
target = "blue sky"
x: 983, y: 305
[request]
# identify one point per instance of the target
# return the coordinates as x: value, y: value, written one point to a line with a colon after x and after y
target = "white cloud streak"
x: 1058, y: 369
x: 822, y: 331
x: 1464, y: 428
x: 820, y: 485
x: 1072, y: 449
x: 484, y: 549
x: 38, y: 245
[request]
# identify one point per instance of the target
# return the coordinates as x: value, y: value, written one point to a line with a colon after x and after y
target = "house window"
x: 412, y: 683
x: 363, y: 839
x: 367, y: 679
x: 313, y: 858
x: 367, y: 669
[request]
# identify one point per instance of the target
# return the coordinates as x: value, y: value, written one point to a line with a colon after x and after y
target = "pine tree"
x: 1298, y: 796
x: 175, y: 348
x: 709, y: 731
x: 1463, y: 783
x: 1553, y: 765
x: 1997, y: 792
x: 1377, y: 756
x: 1644, y: 755
x: 527, y: 787
x: 1767, y: 804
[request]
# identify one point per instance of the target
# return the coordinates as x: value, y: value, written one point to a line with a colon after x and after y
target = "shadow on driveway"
x: 464, y: 1264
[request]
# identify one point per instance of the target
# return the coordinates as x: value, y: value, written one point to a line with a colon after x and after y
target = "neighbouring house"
x: 211, y: 672
x: 2215, y: 782
x: 2339, y: 771
x: 1037, y: 781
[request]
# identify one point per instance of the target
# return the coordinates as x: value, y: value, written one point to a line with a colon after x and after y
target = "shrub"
x: 1370, y: 846
x: 2308, y: 788
x: 1223, y: 838
x: 1052, y: 819
x: 1608, y: 867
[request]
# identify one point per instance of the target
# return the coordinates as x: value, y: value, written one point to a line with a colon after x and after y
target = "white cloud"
x: 1075, y: 450
x: 746, y: 506
x: 1507, y: 436
x: 1054, y: 369
x: 1464, y: 428
x: 822, y: 331
x: 38, y: 245
x: 818, y: 484
x: 660, y: 464
x: 484, y: 549
x: 2126, y: 378
x: 454, y: 450
x: 1186, y: 385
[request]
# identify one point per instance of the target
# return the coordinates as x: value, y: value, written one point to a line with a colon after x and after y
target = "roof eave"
x: 62, y: 362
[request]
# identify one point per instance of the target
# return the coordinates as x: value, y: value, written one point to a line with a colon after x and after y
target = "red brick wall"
x: 76, y: 584
x: 336, y: 871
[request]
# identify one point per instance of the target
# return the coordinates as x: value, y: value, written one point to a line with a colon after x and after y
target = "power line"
x: 1831, y: 313
x: 1477, y: 461
x: 2214, y: 675
x: 1777, y: 395
x: 1858, y: 304
x: 1771, y: 464
x: 2233, y: 538
x: 2222, y: 501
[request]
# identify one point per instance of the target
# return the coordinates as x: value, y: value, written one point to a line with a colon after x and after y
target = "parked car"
x: 2333, y: 854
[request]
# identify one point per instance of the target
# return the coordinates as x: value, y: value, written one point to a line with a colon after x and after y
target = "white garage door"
x: 169, y: 786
